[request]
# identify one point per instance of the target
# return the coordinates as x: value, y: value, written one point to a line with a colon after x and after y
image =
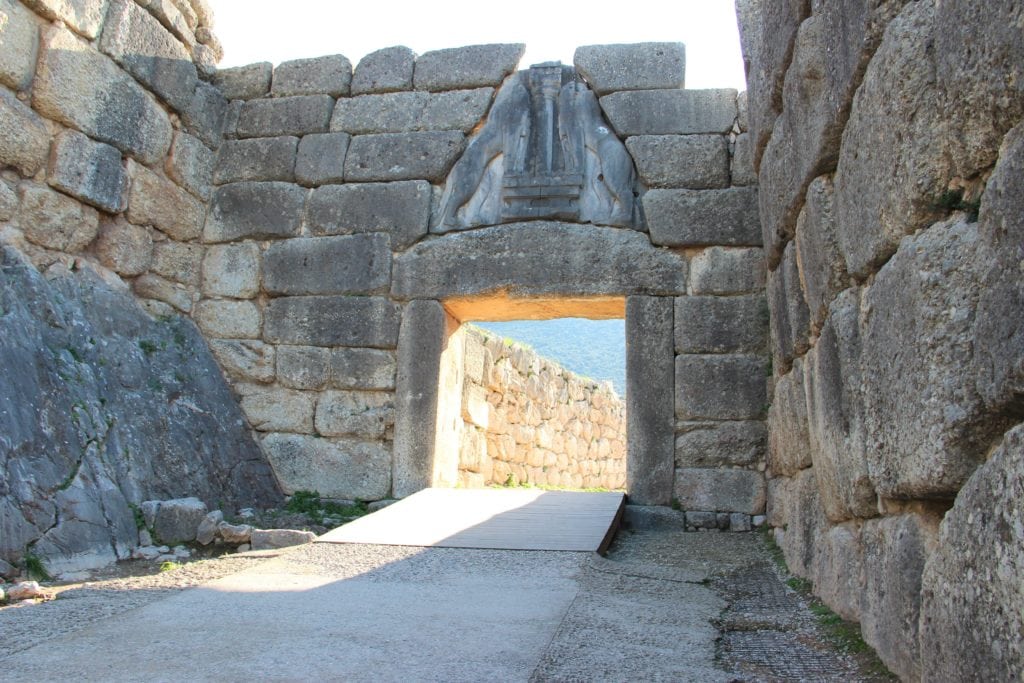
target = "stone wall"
x: 527, y: 420
x: 889, y: 148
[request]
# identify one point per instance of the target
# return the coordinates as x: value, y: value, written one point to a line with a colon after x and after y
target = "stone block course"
x: 297, y: 115
x: 720, y: 387
x: 636, y: 66
x: 401, y: 209
x: 722, y: 271
x: 680, y: 218
x: 474, y: 66
x: 321, y: 158
x: 177, y: 261
x: 88, y: 170
x: 364, y: 414
x: 19, y: 34
x: 346, y: 469
x: 387, y: 70
x: 743, y: 161
x: 124, y: 248
x: 263, y: 159
x: 274, y: 409
x: 403, y: 156
x: 329, y: 75
x: 82, y: 16
x: 254, y: 210
x: 720, y: 444
x: 670, y: 112
x: 190, y: 164
x: 370, y: 369
x: 720, y: 490
x: 351, y: 264
x: 222, y: 319
x: 154, y: 200
x: 24, y: 139
x: 244, y: 82
x: 710, y: 324
x: 403, y: 112
x: 332, y: 321
x: 697, y: 162
x: 231, y: 270
x: 56, y: 221
x: 303, y: 367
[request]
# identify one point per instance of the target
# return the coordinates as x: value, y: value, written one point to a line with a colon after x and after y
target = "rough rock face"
x: 101, y: 408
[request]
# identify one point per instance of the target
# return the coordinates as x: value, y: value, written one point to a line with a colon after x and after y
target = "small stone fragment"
x: 268, y: 539
x: 207, y: 530
x: 234, y: 533
x: 25, y: 590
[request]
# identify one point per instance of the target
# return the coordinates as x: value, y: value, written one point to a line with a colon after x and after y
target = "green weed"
x: 169, y: 566
x: 35, y: 568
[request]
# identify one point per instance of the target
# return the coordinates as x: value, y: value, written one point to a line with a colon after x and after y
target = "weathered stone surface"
x: 177, y: 261
x: 696, y: 162
x: 401, y: 209
x: 321, y: 158
x: 124, y: 248
x: 972, y: 605
x: 350, y: 264
x: 721, y: 387
x: 256, y: 159
x: 332, y: 321
x: 154, y: 200
x: 330, y: 75
x: 8, y: 202
x: 235, y: 533
x: 135, y: 39
x: 789, y: 439
x: 895, y: 550
x: 248, y: 360
x: 683, y: 218
x: 720, y: 490
x: 366, y: 414
x: 19, y: 34
x: 232, y: 270
x: 790, y: 320
x: 231, y: 116
x: 269, y: 539
x: 228, y: 319
x: 337, y: 468
x: 24, y: 140
x: 929, y: 427
x: 650, y: 427
x: 285, y: 116
x: 404, y: 112
x: 84, y: 89
x: 207, y: 529
x: 403, y: 156
x: 83, y: 16
x: 670, y: 112
x: 178, y: 520
x: 177, y: 16
x: 742, y: 120
x: 386, y: 70
x: 421, y: 340
x: 275, y: 409
x: 90, y: 171
x: 475, y: 66
x: 636, y: 66
x: 711, y: 324
x: 806, y: 524
x: 303, y: 367
x: 53, y: 220
x: 190, y: 164
x: 538, y: 258
x: 206, y: 115
x: 245, y: 82
x: 719, y: 271
x: 362, y: 369
x: 822, y: 267
x: 743, y: 161
x: 720, y: 444
x: 150, y: 286
x: 254, y: 210
x: 838, y: 570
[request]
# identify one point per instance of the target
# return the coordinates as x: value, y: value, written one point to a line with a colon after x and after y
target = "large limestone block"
x: 244, y: 82
x: 137, y: 41
x: 720, y: 387
x: 24, y: 140
x: 895, y: 551
x: 124, y: 248
x: 321, y: 158
x: 90, y: 171
x: 401, y: 209
x: 275, y: 409
x: 256, y: 159
x: 297, y: 115
x: 405, y: 112
x: 178, y: 519
x: 635, y: 66
x: 83, y: 16
x: 349, y: 264
x: 475, y: 66
x: 8, y: 202
x: 332, y: 321
x: 154, y: 200
x: 403, y: 156
x: 972, y: 607
x: 789, y: 439
x: 362, y: 369
x: 822, y: 267
x: 248, y: 360
x: 386, y: 70
x: 806, y: 524
x: 720, y: 490
x: 720, y: 444
x: 157, y: 288
x: 177, y: 261
x: 722, y: 271
x: 84, y: 89
x: 19, y: 35
x: 670, y: 112
x: 190, y: 164
x: 228, y: 319
x: 254, y: 210
x: 206, y: 115
x: 366, y: 414
x: 303, y: 367
x: 347, y: 469
x: 232, y: 270
x: 838, y: 570
x: 538, y: 258
x: 330, y: 75
x: 53, y: 220
x: 696, y: 162
x: 718, y: 324
x: 742, y: 168
x: 930, y: 428
x: 684, y: 218
x: 790, y: 319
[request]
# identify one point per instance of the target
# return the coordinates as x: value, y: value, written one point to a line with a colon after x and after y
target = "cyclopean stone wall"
x: 527, y: 420
x: 890, y: 156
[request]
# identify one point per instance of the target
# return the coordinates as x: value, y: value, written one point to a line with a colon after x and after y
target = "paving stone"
x: 681, y: 218
x: 82, y: 16
x: 332, y: 321
x: 154, y: 200
x: 365, y: 414
x: 403, y: 156
x: 247, y: 360
x: 90, y: 171
x: 329, y: 75
x: 401, y: 209
x: 475, y: 66
x: 262, y: 159
x: 723, y: 271
x: 712, y: 324
x: 232, y: 270
x: 109, y: 105
x: 670, y: 112
x: 190, y: 164
x: 403, y: 112
x: 351, y: 264
x: 386, y: 70
x: 362, y: 369
x: 720, y: 387
x: 696, y: 162
x: 721, y: 490
x: 177, y: 261
x: 205, y: 117
x: 720, y: 444
x: 321, y: 158
x: 636, y: 66
x: 285, y: 116
x: 24, y: 140
x: 743, y: 161
x: 275, y: 409
x: 254, y: 210
x: 303, y: 367
x: 790, y: 319
x: 244, y: 82
x: 175, y: 295
x: 347, y: 469
x: 19, y: 34
x: 53, y: 220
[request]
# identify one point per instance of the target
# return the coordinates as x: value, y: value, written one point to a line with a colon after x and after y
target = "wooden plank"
x: 505, y: 519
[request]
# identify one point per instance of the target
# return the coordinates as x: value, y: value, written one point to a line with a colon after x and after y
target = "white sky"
x: 276, y: 31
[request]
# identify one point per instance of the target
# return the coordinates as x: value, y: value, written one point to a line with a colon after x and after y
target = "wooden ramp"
x: 502, y: 519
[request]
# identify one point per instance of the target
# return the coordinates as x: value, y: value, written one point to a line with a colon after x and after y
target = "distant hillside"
x: 594, y: 348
